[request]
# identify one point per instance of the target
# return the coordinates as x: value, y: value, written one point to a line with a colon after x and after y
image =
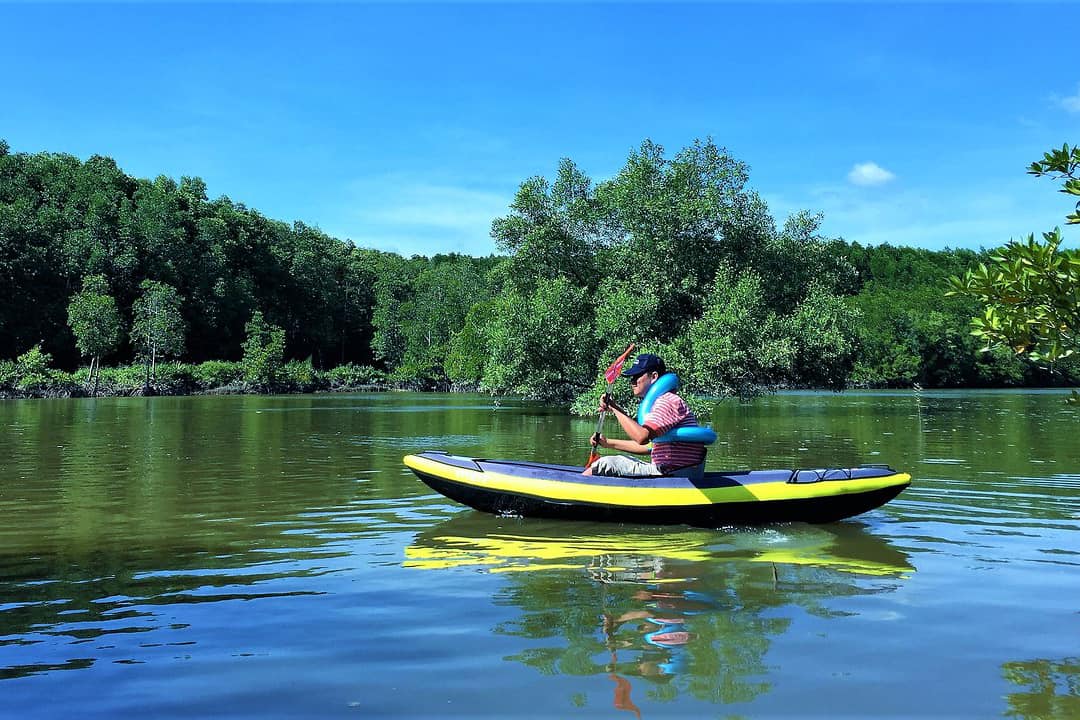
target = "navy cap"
x: 646, y: 362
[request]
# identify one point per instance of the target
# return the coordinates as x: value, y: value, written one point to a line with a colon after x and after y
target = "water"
x: 271, y: 557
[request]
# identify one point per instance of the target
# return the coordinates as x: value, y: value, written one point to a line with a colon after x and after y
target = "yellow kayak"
x: 525, y: 489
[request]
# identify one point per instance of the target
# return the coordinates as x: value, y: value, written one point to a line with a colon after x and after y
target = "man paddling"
x: 668, y: 412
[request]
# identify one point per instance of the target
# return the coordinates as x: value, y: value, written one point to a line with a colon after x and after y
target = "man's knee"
x: 605, y: 466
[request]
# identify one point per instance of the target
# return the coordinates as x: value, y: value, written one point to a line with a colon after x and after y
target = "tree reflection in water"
x: 1052, y: 688
x: 678, y: 610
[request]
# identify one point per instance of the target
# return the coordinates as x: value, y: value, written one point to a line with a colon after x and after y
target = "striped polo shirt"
x: 669, y: 412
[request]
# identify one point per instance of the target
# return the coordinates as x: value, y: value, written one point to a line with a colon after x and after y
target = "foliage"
x: 441, y: 296
x: 1031, y: 289
x: 62, y: 219
x: 678, y: 254
x: 669, y: 252
x: 1063, y: 164
x: 300, y: 376
x: 672, y: 223
x: 95, y: 321
x: 738, y: 344
x: 806, y: 261
x: 825, y: 344
x: 157, y: 329
x: 349, y: 377
x: 214, y: 374
x: 124, y: 380
x: 32, y: 370
x: 395, y: 276
x: 9, y: 375
x: 552, y: 230
x: 470, y: 346
x: 673, y: 251
x: 905, y: 268
x: 542, y: 342
x: 264, y: 353
x: 1032, y: 294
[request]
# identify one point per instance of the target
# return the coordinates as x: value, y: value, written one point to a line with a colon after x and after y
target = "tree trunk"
x: 95, y: 372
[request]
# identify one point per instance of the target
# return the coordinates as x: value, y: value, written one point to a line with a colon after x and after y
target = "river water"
x: 270, y: 557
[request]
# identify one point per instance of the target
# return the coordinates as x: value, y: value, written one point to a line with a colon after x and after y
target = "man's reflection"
x: 659, y: 614
x: 651, y: 639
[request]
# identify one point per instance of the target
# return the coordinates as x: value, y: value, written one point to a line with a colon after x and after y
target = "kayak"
x: 753, y: 497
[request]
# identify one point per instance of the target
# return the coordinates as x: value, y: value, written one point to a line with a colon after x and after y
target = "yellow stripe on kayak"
x: 631, y: 496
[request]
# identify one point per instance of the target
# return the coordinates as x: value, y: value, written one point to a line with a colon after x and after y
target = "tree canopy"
x: 675, y: 252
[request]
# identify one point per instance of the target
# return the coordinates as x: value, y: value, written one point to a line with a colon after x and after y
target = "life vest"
x: 669, y: 382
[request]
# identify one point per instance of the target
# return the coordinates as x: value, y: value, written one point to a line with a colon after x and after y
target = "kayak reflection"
x: 518, y: 544
x: 684, y: 611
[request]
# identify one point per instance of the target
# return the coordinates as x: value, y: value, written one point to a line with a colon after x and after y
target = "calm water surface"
x: 271, y: 557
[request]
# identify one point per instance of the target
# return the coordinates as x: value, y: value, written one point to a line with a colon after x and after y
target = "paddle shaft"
x: 593, y: 454
x: 611, y: 374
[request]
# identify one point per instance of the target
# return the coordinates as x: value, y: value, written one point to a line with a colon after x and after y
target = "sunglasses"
x: 634, y: 378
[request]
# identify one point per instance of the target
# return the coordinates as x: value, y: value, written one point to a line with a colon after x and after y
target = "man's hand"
x: 607, y: 404
x: 598, y: 440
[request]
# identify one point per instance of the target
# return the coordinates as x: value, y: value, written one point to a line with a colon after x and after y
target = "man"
x: 668, y: 412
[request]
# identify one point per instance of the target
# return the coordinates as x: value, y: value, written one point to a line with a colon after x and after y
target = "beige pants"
x: 623, y: 466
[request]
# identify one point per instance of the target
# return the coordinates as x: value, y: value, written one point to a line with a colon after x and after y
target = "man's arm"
x: 638, y: 434
x: 623, y: 445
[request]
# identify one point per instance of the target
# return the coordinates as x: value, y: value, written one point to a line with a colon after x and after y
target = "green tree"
x: 470, y: 347
x: 1062, y: 164
x: 806, y: 260
x: 393, y: 292
x: 1032, y: 294
x: 157, y: 330
x: 738, y: 345
x: 95, y: 322
x: 672, y: 253
x: 264, y: 353
x: 669, y: 225
x: 1031, y: 289
x: 442, y: 294
x: 542, y: 342
x: 62, y: 219
x: 32, y: 369
x: 823, y: 333
x: 552, y: 231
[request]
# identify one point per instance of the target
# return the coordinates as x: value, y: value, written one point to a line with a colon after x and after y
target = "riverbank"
x: 218, y: 377
x: 214, y: 377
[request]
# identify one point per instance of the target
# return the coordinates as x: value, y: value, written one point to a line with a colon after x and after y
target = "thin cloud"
x: 929, y: 217
x: 869, y: 174
x: 405, y: 214
x: 1072, y: 102
x: 453, y: 209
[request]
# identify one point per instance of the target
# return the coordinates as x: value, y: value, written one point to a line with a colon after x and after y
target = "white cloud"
x: 407, y: 214
x: 868, y: 174
x: 453, y: 209
x: 931, y: 217
x: 1072, y: 102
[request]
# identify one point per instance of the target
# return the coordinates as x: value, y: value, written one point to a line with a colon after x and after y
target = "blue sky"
x: 408, y: 127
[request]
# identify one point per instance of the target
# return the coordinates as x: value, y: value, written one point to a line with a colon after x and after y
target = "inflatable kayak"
x: 755, y: 497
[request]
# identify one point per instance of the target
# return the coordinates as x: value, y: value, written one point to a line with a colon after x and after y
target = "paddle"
x: 611, y: 375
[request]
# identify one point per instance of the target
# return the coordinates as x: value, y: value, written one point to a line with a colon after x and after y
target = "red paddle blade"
x: 593, y: 457
x: 612, y: 373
